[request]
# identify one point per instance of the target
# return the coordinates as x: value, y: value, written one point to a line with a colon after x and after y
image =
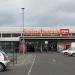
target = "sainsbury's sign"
x: 46, y: 32
x: 64, y: 31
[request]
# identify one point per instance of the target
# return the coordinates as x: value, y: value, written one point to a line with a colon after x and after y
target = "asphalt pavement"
x: 51, y: 63
x: 22, y: 67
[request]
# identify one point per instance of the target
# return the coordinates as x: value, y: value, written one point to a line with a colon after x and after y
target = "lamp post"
x: 23, y: 28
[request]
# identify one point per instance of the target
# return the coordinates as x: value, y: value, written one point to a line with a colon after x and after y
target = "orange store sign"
x: 64, y: 31
x: 46, y: 32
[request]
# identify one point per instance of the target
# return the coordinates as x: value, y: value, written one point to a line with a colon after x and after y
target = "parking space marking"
x: 29, y: 72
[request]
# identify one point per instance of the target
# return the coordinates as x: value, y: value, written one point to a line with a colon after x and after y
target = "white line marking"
x: 29, y: 72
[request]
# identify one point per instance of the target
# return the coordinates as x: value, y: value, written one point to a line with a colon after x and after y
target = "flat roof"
x: 20, y: 29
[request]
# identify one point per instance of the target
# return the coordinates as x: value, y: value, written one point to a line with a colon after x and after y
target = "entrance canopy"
x: 50, y: 37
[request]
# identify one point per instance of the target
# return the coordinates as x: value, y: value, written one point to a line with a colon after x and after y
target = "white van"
x: 4, y: 61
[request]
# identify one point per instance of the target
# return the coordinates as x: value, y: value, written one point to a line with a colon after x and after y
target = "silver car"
x: 4, y: 61
x: 71, y: 52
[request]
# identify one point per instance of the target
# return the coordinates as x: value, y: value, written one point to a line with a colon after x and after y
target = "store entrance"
x: 52, y: 46
x: 30, y: 47
x: 49, y: 46
x: 41, y: 46
x: 33, y: 46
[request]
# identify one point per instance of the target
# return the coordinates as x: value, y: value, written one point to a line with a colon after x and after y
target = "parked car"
x: 65, y: 52
x: 4, y: 61
x: 71, y: 52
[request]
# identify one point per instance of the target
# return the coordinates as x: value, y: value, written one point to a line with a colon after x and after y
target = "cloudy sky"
x: 37, y: 12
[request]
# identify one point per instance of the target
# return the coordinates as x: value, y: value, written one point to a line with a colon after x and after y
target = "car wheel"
x: 73, y: 54
x: 65, y: 53
x: 2, y: 67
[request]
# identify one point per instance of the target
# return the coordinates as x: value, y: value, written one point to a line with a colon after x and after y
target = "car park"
x: 4, y: 61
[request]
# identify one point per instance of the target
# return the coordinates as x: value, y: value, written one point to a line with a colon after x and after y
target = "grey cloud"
x: 68, y: 6
x: 37, y: 12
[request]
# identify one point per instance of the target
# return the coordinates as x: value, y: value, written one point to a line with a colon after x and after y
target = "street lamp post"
x: 23, y: 27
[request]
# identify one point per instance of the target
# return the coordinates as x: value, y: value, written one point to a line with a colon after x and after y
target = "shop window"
x: 16, y: 34
x: 6, y: 35
x: 73, y: 34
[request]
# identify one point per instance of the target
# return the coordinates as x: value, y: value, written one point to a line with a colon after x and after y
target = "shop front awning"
x: 49, y: 37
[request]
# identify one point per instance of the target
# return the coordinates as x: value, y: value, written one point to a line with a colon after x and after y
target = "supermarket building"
x: 36, y: 39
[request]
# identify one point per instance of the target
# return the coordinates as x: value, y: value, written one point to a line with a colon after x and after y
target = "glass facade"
x: 41, y: 45
x: 9, y: 46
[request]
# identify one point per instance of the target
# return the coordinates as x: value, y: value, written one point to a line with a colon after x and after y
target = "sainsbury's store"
x: 36, y: 39
x: 48, y: 39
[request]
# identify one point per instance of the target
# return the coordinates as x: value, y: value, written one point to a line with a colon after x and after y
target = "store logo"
x: 64, y: 31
